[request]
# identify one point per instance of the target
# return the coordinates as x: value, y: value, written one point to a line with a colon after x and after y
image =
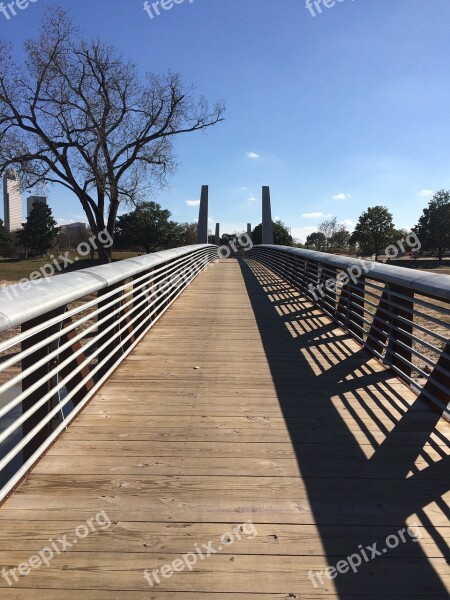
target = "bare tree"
x: 328, y: 229
x: 78, y: 115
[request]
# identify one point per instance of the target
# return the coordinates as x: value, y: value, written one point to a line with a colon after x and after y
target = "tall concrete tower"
x: 267, y: 226
x: 12, y: 200
x: 202, y: 231
x: 217, y: 235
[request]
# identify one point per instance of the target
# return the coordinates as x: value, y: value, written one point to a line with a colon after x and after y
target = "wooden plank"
x: 271, y: 539
x: 24, y: 594
x: 227, y: 574
x: 199, y: 434
x: 225, y: 467
x: 328, y: 451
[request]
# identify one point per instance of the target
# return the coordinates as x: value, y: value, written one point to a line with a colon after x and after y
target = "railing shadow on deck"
x: 368, y: 481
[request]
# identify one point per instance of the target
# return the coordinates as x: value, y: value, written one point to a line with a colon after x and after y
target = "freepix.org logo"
x: 44, y: 557
x: 9, y: 9
x: 153, y: 9
x: 315, y: 6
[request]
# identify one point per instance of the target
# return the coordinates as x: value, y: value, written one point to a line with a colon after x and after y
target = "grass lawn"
x: 12, y: 270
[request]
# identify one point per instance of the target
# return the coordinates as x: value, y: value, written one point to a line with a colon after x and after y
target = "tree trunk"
x: 104, y: 254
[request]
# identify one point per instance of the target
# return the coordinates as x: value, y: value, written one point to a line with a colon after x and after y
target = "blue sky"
x: 335, y: 112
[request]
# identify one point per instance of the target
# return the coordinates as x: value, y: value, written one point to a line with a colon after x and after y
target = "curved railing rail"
x: 402, y: 316
x: 62, y: 337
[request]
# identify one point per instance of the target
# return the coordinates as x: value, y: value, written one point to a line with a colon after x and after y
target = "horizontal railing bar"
x: 62, y: 332
x: 66, y: 362
x: 415, y: 312
x: 98, y: 337
x: 41, y: 327
x: 428, y: 283
x: 69, y: 287
x: 16, y: 478
x: 379, y: 308
x: 401, y: 309
x: 26, y: 439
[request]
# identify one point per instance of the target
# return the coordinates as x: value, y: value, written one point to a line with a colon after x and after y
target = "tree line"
x: 148, y: 228
x: 375, y: 230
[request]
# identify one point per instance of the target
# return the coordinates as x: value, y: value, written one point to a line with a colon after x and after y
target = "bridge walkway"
x: 246, y: 421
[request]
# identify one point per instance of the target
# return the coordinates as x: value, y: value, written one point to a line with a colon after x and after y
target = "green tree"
x: 39, y: 232
x: 341, y: 237
x: 374, y: 230
x: 148, y: 227
x: 316, y: 239
x: 189, y: 234
x: 433, y: 228
x: 281, y: 235
x: 76, y: 114
x: 6, y: 241
x: 5, y: 236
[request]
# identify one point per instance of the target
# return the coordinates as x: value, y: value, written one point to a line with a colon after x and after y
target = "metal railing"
x: 62, y: 337
x: 401, y: 316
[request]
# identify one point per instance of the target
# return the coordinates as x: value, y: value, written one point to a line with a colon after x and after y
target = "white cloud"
x: 301, y: 233
x: 349, y: 224
x: 193, y: 202
x: 253, y: 155
x: 342, y: 196
x: 426, y: 193
x: 251, y: 200
x: 314, y: 215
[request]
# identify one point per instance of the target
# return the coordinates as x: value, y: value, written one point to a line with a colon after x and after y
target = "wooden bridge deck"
x: 244, y: 403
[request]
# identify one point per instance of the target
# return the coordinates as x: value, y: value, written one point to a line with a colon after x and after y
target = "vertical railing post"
x: 350, y: 310
x: 379, y: 329
x: 312, y: 278
x: 141, y: 295
x: 400, y: 329
x: 356, y: 322
x: 111, y: 320
x: 440, y: 375
x: 329, y: 289
x: 35, y: 377
x: 66, y: 371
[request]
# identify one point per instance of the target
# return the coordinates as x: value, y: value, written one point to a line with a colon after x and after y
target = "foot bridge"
x: 178, y: 426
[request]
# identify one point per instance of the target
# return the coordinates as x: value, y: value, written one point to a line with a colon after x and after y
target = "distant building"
x: 12, y: 201
x: 74, y: 233
x: 75, y: 228
x: 32, y: 200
